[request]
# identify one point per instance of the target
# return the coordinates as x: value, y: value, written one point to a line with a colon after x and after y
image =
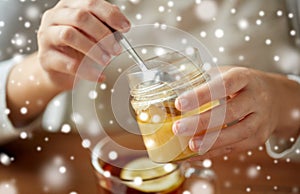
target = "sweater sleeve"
x: 292, y: 152
x: 7, y: 130
x: 275, y: 147
x: 51, y: 119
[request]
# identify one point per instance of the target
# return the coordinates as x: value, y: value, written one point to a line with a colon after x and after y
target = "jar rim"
x: 190, y: 80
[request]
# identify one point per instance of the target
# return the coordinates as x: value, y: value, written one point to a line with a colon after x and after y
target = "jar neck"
x: 161, y: 91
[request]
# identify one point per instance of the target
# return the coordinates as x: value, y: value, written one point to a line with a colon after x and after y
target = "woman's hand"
x: 69, y: 32
x: 259, y: 104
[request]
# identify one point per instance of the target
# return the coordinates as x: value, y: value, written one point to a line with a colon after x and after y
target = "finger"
x: 242, y: 130
x: 237, y: 147
x: 110, y: 44
x: 104, y: 11
x: 54, y: 60
x: 111, y: 15
x: 233, y: 80
x: 69, y: 36
x: 87, y: 23
x: 235, y: 109
x: 69, y: 64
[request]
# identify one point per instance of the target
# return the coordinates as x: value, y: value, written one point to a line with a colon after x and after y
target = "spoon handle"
x: 126, y: 45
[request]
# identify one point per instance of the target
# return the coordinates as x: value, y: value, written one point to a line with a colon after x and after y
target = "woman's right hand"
x: 69, y: 32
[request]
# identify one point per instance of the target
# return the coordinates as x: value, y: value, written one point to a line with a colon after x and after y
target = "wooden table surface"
x: 57, y: 163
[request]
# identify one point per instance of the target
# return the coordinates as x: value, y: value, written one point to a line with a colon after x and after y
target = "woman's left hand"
x: 259, y: 104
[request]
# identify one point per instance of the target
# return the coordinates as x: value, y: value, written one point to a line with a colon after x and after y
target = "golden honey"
x: 156, y: 123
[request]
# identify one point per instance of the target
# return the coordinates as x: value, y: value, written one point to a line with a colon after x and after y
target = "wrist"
x: 288, y: 93
x: 28, y: 88
x: 57, y: 81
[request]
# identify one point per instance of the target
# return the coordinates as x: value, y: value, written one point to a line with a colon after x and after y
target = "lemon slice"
x: 144, y: 175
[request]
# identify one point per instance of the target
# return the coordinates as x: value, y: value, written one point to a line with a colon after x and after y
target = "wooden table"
x: 57, y: 163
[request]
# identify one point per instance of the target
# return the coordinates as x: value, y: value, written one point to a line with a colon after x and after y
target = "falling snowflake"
x: 178, y: 18
x: 23, y: 110
x: 293, y: 32
x: 103, y: 86
x: 112, y: 155
x: 170, y: 3
x: 62, y: 170
x: 161, y: 8
x: 27, y: 24
x: 233, y: 11
x: 203, y: 34
x: 247, y: 38
x: 248, y: 189
x: 5, y: 159
x: 23, y: 135
x: 33, y: 12
x: 202, y: 186
x: 221, y: 49
x: 258, y: 22
x: 253, y: 172
x: 135, y: 1
x: 86, y: 143
x: 38, y: 148
x: 279, y: 13
x: 54, y: 174
x: 276, y: 58
x: 66, y: 128
x: 7, y: 111
x: 207, y: 163
x: 261, y: 13
x: 138, y: 16
x: 268, y: 41
x: 206, y: 10
x: 2, y: 24
x: 57, y: 103
x: 219, y: 33
x: 8, y: 188
x: 93, y: 94
x: 18, y: 40
x: 186, y: 192
x: 243, y: 24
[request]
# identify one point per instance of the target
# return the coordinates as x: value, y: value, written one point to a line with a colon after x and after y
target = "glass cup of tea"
x: 122, y: 166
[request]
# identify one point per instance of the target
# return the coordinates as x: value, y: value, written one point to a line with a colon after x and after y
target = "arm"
x: 67, y: 34
x: 28, y: 91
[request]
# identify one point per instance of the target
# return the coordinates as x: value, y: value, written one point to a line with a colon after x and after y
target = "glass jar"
x: 153, y: 95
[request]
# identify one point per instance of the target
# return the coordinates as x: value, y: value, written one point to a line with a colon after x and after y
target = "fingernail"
x: 175, y: 128
x: 105, y: 58
x: 117, y: 48
x: 194, y: 144
x: 125, y: 25
x: 182, y: 103
x: 179, y: 128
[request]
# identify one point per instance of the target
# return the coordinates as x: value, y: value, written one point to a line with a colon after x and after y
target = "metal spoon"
x: 126, y: 45
x: 150, y: 74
